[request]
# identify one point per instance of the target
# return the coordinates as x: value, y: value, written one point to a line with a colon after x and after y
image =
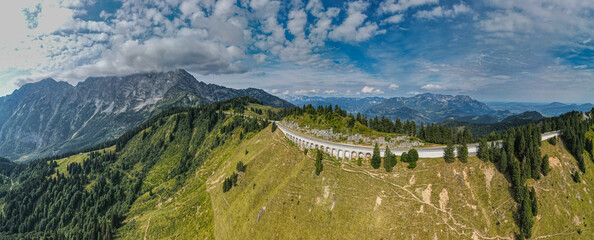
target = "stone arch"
x: 354, y: 155
x: 327, y: 150
x: 368, y: 156
x: 340, y: 154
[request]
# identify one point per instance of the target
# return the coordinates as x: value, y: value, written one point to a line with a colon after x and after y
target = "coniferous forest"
x: 89, y: 199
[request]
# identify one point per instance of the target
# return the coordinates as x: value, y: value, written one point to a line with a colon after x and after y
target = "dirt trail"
x: 147, y: 227
x: 447, y: 220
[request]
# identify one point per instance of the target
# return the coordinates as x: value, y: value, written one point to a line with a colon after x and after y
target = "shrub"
x: 553, y: 141
x: 319, y: 164
x: 240, y: 167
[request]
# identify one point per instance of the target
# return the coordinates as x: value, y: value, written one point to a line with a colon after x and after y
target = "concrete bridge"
x: 350, y: 151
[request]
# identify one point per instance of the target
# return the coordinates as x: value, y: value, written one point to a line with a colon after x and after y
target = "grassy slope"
x: 348, y: 201
x: 435, y: 200
x: 564, y: 206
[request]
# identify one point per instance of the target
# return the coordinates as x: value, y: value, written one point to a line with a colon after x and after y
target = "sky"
x: 491, y: 50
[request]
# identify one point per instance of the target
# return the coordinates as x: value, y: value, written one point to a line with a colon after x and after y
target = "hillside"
x: 165, y: 180
x: 50, y: 117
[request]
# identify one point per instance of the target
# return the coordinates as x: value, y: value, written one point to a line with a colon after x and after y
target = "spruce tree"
x: 534, y: 202
x: 516, y: 178
x: 483, y: 151
x: 545, y: 168
x: 463, y: 152
x: 376, y: 160
x: 526, y: 219
x: 388, y: 160
x: 393, y: 160
x: 448, y: 153
x: 319, y: 164
x: 413, y: 155
x: 503, y: 162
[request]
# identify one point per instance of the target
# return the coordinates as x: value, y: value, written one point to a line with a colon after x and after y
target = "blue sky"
x: 492, y: 50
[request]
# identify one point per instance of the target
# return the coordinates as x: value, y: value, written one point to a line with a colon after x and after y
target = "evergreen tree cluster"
x: 389, y: 160
x: 411, y: 157
x: 90, y: 198
x: 230, y: 182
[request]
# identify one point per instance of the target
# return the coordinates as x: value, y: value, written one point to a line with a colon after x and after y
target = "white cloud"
x: 371, y: 90
x: 296, y: 23
x: 397, y: 18
x: 413, y: 93
x: 394, y: 86
x: 439, y: 12
x: 354, y: 28
x: 392, y: 6
x: 432, y: 87
x: 305, y: 92
x: 330, y: 92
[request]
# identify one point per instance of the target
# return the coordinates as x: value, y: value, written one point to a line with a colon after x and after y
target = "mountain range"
x: 435, y: 108
x: 51, y: 117
x: 546, y: 109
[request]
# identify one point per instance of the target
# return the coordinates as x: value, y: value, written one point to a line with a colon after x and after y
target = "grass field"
x: 280, y: 197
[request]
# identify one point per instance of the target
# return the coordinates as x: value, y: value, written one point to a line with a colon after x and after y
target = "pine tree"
x: 463, y: 152
x: 413, y: 155
x: 483, y: 151
x: 516, y: 178
x: 503, y: 162
x: 534, y: 202
x: 448, y: 153
x: 388, y: 160
x: 526, y: 221
x: 393, y: 160
x: 376, y: 160
x: 319, y: 164
x: 545, y: 168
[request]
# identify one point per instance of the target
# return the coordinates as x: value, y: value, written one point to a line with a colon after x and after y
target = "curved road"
x: 343, y: 150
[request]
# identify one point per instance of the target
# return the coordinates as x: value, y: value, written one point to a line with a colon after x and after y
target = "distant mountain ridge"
x: 429, y: 107
x: 50, y: 117
x: 434, y: 108
x: 546, y: 109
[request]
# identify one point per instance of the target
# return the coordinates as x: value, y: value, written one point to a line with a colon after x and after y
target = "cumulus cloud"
x: 432, y: 87
x: 330, y: 92
x: 371, y: 90
x: 354, y: 28
x: 394, y: 86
